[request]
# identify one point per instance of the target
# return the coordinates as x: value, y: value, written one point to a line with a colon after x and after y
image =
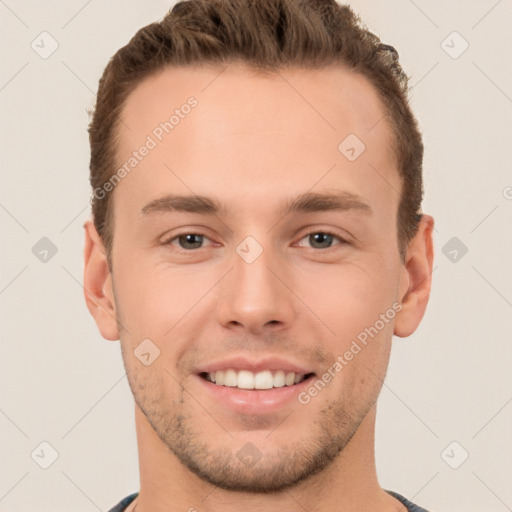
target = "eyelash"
x: 323, y: 232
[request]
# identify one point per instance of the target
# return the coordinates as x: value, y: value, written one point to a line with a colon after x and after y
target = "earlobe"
x: 98, y: 290
x: 417, y: 278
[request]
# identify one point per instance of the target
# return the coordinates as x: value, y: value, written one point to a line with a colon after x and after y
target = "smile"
x: 246, y: 379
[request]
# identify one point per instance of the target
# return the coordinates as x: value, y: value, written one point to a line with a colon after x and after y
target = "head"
x: 290, y: 245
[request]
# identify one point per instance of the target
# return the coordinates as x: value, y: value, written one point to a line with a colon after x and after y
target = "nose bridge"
x: 254, y: 296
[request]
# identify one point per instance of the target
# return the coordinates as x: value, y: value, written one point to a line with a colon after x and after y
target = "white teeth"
x: 245, y: 379
x: 218, y: 379
x: 230, y: 378
x: 264, y: 380
x: 279, y: 379
x: 290, y: 379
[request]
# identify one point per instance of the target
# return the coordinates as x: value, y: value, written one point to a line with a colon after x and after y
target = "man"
x: 275, y: 138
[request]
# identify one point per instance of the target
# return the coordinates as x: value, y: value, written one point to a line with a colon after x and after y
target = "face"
x: 251, y: 251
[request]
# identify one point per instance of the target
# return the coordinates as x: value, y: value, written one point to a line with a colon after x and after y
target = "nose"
x: 255, y: 296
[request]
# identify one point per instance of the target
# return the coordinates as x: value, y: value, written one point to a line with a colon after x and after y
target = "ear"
x: 99, y: 295
x: 416, y: 279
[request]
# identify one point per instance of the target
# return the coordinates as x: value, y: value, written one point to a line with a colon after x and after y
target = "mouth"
x: 249, y: 380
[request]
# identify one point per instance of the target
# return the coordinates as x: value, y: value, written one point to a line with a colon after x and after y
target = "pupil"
x: 321, y: 237
x: 189, y: 239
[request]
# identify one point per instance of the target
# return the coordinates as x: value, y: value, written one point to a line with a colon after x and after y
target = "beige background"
x: 62, y: 383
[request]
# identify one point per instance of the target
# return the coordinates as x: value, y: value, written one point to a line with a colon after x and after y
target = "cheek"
x: 364, y: 357
x: 157, y: 301
x: 349, y: 298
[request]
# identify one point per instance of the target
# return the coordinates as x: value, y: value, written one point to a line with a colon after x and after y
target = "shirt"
x: 411, y: 507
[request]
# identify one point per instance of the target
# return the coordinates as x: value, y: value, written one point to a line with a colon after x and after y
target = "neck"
x: 349, y: 483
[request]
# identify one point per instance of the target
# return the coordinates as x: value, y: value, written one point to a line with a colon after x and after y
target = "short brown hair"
x: 268, y: 35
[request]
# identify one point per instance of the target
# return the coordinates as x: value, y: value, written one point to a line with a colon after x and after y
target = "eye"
x: 322, y: 239
x: 187, y: 241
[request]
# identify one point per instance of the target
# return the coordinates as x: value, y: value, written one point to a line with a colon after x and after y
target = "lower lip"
x: 255, y: 401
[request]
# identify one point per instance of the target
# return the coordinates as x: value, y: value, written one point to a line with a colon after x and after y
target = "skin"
x: 251, y: 142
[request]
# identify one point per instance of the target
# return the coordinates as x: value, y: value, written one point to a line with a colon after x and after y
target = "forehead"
x: 334, y: 98
x: 222, y: 126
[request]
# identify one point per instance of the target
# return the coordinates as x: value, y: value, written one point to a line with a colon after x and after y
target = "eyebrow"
x: 308, y: 202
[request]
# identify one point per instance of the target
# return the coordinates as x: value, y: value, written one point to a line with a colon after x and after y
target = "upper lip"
x: 255, y: 365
